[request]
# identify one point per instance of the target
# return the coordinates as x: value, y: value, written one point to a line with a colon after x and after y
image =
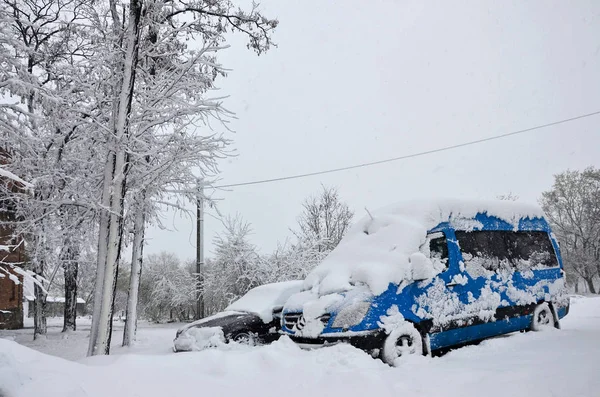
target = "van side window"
x: 438, y: 250
x: 484, y: 252
x: 530, y: 250
x: 498, y: 250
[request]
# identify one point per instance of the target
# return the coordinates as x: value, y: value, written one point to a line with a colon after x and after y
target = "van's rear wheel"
x: 405, y: 340
x: 543, y: 317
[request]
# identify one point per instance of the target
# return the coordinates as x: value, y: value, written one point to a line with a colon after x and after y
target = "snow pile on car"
x: 380, y: 249
x: 197, y: 338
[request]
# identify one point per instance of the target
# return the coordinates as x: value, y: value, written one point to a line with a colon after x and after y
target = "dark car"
x: 255, y: 318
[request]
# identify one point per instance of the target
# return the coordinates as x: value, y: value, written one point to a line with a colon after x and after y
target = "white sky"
x: 360, y: 81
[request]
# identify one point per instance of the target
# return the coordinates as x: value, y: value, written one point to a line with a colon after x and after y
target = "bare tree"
x: 167, y: 288
x: 292, y: 261
x: 573, y: 208
x: 236, y: 258
x: 324, y: 220
x: 508, y: 197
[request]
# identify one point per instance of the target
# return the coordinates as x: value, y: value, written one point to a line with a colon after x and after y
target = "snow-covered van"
x: 420, y: 276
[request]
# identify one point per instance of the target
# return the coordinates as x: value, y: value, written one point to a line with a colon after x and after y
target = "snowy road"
x: 551, y: 363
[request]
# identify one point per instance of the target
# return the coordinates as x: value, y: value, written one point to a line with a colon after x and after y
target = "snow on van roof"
x: 376, y: 251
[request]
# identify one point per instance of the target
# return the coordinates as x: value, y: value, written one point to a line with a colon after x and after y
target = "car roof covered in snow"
x: 263, y: 299
x: 376, y: 250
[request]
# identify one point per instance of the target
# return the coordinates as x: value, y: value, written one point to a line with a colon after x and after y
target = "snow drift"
x: 507, y: 366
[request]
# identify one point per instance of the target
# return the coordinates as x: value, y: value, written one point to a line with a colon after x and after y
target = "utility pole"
x: 199, y: 248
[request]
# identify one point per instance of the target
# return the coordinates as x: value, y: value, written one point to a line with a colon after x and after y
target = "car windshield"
x: 262, y: 300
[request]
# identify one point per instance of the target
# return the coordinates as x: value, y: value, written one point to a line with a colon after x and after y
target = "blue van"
x: 421, y: 276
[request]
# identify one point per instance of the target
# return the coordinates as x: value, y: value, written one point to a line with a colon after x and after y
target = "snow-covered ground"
x: 152, y: 339
x: 550, y: 363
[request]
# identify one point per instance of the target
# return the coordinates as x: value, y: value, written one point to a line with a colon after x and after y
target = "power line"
x: 443, y: 149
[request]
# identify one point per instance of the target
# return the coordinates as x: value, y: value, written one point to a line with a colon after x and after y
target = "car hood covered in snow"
x: 218, y: 320
x: 264, y: 299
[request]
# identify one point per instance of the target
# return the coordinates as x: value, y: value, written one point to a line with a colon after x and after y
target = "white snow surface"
x: 534, y: 364
x: 377, y: 250
x: 263, y: 299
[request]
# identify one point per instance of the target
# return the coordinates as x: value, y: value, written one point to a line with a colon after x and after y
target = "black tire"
x: 243, y: 338
x: 543, y: 317
x: 404, y: 340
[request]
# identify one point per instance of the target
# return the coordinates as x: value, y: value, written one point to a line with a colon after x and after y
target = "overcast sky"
x: 360, y: 81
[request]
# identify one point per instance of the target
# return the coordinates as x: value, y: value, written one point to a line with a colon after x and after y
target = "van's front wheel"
x: 403, y: 341
x: 543, y: 317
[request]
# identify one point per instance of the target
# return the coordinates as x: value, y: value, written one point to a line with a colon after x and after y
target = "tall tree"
x: 324, y: 220
x: 42, y: 140
x: 109, y: 115
x: 573, y: 208
x: 159, y: 98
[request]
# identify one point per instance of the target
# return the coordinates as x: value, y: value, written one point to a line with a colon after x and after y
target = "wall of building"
x: 11, y: 252
x: 11, y: 302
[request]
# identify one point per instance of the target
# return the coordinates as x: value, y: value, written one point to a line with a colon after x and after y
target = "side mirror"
x: 422, y: 267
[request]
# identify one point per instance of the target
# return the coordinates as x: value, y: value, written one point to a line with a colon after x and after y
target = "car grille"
x: 291, y: 319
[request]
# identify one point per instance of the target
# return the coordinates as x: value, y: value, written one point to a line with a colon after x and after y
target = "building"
x: 55, y: 306
x: 11, y: 299
x: 12, y: 252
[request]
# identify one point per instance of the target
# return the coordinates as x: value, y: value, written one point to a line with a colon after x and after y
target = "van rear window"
x: 493, y: 250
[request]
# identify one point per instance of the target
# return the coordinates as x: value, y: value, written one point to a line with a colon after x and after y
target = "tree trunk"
x: 103, y: 327
x: 590, y: 284
x: 39, y: 310
x: 102, y: 248
x: 136, y: 273
x: 71, y: 268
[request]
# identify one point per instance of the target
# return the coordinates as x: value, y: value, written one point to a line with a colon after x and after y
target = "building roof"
x: 52, y: 299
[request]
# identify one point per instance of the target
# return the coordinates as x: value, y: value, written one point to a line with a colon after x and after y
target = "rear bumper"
x: 368, y: 341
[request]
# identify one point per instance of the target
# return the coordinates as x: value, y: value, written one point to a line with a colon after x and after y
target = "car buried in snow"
x: 255, y: 318
x: 421, y: 276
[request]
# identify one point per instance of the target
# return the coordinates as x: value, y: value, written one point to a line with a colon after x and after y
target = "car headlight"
x: 351, y: 315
